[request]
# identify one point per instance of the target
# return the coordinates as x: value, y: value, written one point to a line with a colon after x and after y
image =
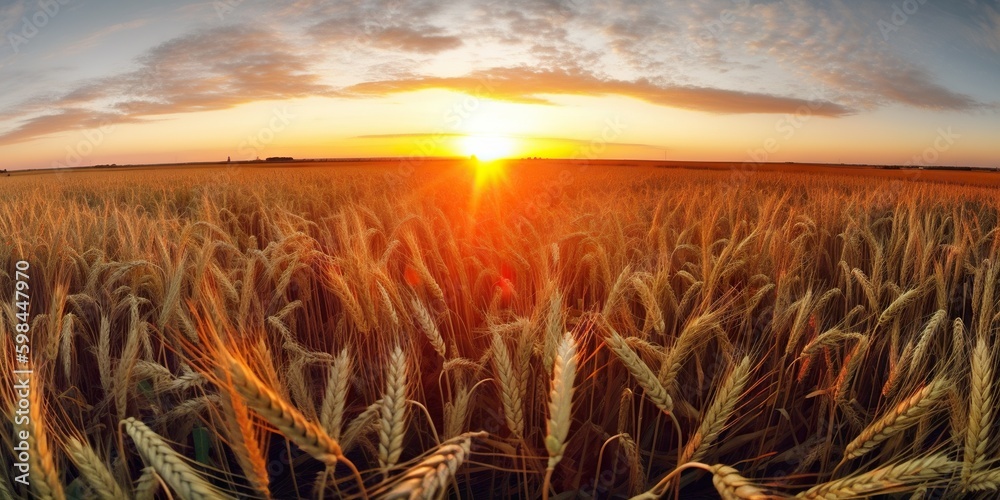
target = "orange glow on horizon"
x: 488, y: 148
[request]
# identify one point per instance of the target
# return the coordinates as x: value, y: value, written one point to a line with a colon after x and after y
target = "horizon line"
x: 360, y: 159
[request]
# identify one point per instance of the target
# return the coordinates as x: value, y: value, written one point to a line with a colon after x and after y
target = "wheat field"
x: 561, y: 331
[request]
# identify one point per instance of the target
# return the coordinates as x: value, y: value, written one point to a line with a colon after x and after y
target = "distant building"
x: 280, y: 158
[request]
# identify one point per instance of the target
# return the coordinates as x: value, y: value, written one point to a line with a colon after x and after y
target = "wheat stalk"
x: 362, y: 423
x: 553, y: 329
x: 338, y: 285
x: 104, y: 354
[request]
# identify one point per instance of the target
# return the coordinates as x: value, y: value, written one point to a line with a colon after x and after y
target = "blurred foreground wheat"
x: 635, y: 331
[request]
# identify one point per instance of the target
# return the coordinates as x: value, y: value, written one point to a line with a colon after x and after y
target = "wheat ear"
x: 335, y: 399
x: 310, y: 437
x: 727, y: 481
x: 393, y: 412
x: 429, y: 478
x: 939, y: 318
x: 560, y: 405
x: 905, y: 414
x: 93, y: 470
x: 732, y: 486
x: 828, y: 339
x: 168, y: 463
x: 891, y: 478
x: 986, y: 480
x: 638, y: 368
x: 654, y: 315
x: 510, y: 394
x: 429, y: 327
x: 283, y: 416
x: 980, y: 411
x: 42, y: 460
x: 898, y: 305
x: 244, y: 441
x: 361, y: 424
x: 146, y: 486
x: 718, y: 414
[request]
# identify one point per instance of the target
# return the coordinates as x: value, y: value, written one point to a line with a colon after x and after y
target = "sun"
x: 488, y: 148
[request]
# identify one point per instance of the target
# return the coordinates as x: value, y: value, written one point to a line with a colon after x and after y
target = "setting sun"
x: 488, y: 148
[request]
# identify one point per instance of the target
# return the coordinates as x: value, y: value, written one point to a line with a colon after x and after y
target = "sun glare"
x: 488, y: 148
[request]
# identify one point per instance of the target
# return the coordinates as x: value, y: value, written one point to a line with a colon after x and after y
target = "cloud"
x: 985, y: 25
x: 423, y: 39
x: 828, y: 48
x: 65, y: 119
x: 92, y: 40
x: 526, y: 85
x: 716, y: 56
x: 10, y: 15
x: 207, y: 70
x: 385, y: 25
x: 840, y: 46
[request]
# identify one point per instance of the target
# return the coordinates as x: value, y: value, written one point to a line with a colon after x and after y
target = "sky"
x: 87, y: 82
